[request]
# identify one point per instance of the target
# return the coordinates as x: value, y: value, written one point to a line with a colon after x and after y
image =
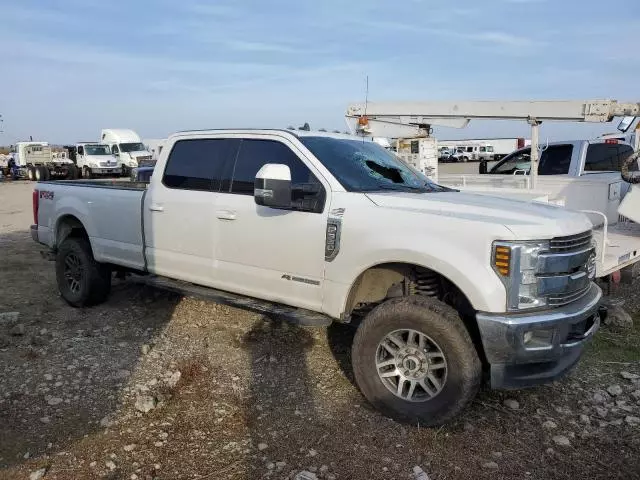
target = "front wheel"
x: 414, y: 360
x: 81, y: 280
x: 86, y: 172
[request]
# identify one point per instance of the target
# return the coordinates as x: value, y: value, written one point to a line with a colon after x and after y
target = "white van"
x: 127, y: 147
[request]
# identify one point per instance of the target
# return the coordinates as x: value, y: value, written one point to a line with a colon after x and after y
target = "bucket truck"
x: 618, y: 242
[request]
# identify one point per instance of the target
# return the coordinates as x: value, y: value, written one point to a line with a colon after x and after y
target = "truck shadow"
x: 64, y: 369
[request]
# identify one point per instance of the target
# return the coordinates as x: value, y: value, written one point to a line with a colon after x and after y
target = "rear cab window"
x: 607, y: 157
x: 197, y: 164
x: 554, y: 160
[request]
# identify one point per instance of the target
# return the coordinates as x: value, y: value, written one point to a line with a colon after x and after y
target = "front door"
x: 276, y: 255
x: 179, y: 211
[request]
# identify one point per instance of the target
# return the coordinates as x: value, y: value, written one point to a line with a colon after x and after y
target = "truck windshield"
x: 97, y: 150
x: 131, y: 147
x: 364, y: 166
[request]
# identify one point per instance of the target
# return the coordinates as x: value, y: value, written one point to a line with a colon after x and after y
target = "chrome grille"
x: 570, y: 243
x: 563, y: 299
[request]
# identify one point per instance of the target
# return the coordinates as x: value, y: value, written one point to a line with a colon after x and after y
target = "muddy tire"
x: 81, y: 280
x: 423, y: 344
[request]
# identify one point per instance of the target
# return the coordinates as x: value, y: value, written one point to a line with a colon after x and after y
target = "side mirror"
x: 482, y: 167
x: 272, y: 187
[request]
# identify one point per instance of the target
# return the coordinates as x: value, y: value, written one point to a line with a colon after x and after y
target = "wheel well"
x: 390, y: 280
x: 69, y: 226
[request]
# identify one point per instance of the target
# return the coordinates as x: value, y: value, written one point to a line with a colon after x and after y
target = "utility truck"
x: 586, y: 186
x: 127, y: 147
x: 317, y: 228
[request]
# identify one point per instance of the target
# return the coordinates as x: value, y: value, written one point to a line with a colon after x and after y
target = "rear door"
x: 179, y: 210
x: 273, y: 254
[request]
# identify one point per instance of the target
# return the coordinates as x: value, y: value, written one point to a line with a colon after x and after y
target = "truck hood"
x: 526, y: 220
x: 140, y: 153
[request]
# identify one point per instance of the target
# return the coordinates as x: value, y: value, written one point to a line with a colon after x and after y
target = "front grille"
x: 570, y: 243
x: 563, y: 299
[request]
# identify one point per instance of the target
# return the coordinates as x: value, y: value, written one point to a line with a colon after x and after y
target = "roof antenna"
x: 366, y: 95
x: 366, y: 99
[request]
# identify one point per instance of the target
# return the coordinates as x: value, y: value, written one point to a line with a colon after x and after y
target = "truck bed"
x: 109, y: 210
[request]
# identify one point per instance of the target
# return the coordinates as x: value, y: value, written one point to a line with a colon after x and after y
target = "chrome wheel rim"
x: 73, y: 272
x: 411, y: 365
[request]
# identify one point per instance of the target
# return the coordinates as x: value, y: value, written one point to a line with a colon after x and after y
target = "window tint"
x: 256, y: 153
x: 197, y: 164
x: 114, y: 149
x: 607, y: 157
x: 516, y: 162
x: 555, y: 160
x: 80, y: 150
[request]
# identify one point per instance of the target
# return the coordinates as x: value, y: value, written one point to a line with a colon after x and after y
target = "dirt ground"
x: 235, y: 395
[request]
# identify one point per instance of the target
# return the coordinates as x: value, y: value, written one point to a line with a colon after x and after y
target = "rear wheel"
x: 414, y: 360
x: 39, y: 176
x: 31, y: 173
x: 81, y: 280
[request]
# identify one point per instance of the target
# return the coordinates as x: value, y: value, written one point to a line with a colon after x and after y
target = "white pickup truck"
x: 447, y: 289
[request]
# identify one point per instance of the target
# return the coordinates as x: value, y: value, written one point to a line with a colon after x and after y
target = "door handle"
x: 226, y: 215
x: 156, y: 208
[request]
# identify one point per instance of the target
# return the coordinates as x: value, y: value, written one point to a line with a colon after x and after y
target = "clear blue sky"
x: 72, y: 67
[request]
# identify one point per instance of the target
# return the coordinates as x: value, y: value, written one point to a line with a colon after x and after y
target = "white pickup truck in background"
x: 581, y: 175
x: 318, y: 227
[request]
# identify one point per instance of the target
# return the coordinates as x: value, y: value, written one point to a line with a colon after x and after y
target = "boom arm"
x: 414, y: 119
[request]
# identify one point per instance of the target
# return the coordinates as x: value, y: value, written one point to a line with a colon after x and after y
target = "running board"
x: 299, y: 316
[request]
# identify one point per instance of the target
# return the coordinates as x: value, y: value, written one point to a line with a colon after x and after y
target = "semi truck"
x: 127, y: 147
x: 317, y: 228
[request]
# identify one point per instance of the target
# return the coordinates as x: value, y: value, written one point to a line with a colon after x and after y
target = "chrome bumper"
x: 515, y: 363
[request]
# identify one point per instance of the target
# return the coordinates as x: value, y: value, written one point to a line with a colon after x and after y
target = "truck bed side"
x: 110, y: 212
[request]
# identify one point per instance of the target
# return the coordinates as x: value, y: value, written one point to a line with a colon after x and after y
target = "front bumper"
x: 515, y: 364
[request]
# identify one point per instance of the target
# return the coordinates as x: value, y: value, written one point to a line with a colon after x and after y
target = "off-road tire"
x: 441, y: 323
x: 95, y: 280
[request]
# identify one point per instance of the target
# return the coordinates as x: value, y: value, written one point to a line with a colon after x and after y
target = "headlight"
x: 515, y: 263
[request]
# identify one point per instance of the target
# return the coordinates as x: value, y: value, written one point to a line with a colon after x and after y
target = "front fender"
x: 476, y: 281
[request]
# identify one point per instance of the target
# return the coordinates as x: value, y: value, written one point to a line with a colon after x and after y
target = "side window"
x: 483, y: 149
x: 115, y: 149
x: 607, y: 157
x: 256, y: 153
x: 555, y: 160
x: 197, y: 164
x: 515, y: 162
x: 80, y: 150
